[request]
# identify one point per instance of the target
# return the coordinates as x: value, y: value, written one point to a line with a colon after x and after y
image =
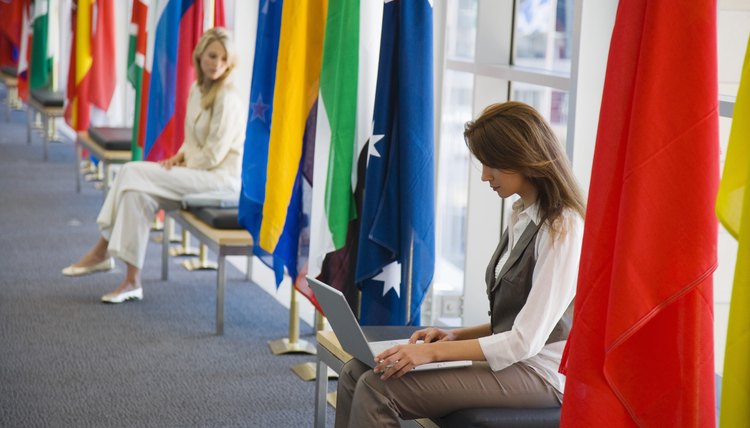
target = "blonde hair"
x: 512, y: 136
x: 212, y: 35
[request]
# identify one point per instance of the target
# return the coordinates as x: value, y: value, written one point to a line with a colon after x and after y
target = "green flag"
x: 136, y: 61
x: 345, y: 105
x: 42, y: 55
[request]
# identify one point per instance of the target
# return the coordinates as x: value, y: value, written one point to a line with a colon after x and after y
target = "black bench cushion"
x: 497, y: 417
x: 117, y: 139
x: 218, y: 218
x: 9, y: 71
x: 48, y: 98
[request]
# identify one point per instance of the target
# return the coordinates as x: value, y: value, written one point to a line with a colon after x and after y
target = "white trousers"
x: 132, y: 201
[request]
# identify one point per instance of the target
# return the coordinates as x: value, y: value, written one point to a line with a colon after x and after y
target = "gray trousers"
x: 363, y: 400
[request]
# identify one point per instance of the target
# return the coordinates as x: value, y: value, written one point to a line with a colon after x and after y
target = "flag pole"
x: 308, y: 371
x: 292, y: 344
x: 409, y: 279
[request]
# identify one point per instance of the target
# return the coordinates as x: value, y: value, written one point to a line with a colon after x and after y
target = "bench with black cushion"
x: 108, y: 144
x: 49, y: 104
x: 48, y: 98
x: 109, y: 138
x: 9, y: 78
x: 9, y: 71
x: 499, y: 418
x: 219, y: 230
x: 219, y: 218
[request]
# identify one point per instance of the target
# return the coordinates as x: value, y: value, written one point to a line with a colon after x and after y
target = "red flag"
x: 11, y: 19
x: 103, y: 79
x: 220, y: 19
x: 641, y: 349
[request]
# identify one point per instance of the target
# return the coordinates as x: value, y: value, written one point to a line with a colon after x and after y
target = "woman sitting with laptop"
x: 531, y: 282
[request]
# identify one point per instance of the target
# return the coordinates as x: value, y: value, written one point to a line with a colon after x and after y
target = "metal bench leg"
x: 165, y: 248
x: 249, y: 270
x: 321, y: 389
x: 78, y: 166
x: 220, y: 280
x: 105, y: 179
x: 29, y: 118
x: 45, y: 136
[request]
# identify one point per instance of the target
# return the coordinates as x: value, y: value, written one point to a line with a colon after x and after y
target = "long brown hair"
x: 512, y: 136
x: 222, y: 36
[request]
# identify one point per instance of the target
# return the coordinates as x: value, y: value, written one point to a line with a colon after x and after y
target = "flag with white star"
x: 396, y: 256
x: 255, y: 162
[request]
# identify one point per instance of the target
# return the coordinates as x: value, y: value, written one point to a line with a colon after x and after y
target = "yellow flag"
x: 733, y: 209
x: 297, y: 80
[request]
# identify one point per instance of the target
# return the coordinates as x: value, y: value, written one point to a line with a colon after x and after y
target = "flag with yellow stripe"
x: 297, y: 80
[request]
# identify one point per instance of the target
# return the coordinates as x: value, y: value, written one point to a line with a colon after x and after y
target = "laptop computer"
x: 350, y: 335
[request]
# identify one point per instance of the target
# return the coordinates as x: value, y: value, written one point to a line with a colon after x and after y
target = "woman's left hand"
x: 401, y: 359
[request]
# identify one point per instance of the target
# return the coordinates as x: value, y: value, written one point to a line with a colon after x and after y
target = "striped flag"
x: 344, y: 124
x: 272, y: 206
x: 175, y: 26
x: 91, y: 81
x: 136, y: 61
x: 733, y: 209
x: 396, y: 254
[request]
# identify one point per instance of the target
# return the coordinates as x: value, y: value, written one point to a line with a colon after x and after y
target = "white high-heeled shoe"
x: 103, y: 266
x: 115, y: 297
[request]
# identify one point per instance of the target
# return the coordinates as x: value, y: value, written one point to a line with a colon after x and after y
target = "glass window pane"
x: 733, y: 32
x: 461, y: 29
x: 551, y: 103
x: 542, y: 34
x: 452, y: 182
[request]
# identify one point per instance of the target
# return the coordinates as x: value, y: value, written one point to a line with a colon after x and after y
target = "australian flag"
x: 396, y: 256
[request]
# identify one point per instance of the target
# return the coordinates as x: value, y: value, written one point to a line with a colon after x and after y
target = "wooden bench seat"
x: 224, y: 242
x: 49, y: 105
x: 107, y: 144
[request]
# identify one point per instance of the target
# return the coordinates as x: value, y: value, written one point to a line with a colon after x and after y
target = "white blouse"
x: 215, y: 138
x: 553, y: 287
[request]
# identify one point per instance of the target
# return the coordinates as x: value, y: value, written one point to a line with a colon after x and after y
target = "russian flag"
x: 176, y: 26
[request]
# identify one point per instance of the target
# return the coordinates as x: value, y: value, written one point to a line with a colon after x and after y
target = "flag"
x: 641, y: 349
x: 255, y: 160
x: 272, y: 206
x: 136, y: 61
x: 344, y: 123
x: 42, y: 56
x: 733, y: 209
x: 91, y: 81
x: 177, y: 28
x: 220, y: 17
x: 11, y: 27
x: 396, y: 254
x: 24, y: 55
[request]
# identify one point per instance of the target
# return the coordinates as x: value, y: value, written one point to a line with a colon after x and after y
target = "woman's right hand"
x: 432, y: 334
x: 176, y: 160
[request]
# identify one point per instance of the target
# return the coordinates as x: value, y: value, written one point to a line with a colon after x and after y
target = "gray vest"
x: 508, y: 293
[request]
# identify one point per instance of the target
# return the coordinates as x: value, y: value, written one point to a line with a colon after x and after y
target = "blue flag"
x: 255, y: 161
x: 396, y: 256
